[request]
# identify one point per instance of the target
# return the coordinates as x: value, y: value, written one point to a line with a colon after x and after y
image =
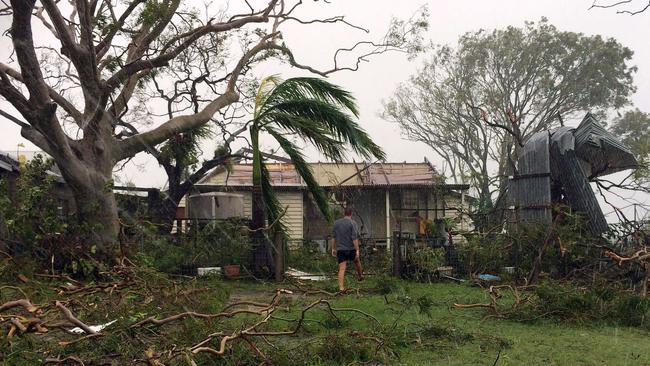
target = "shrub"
x: 600, y: 303
x: 423, y: 263
x: 216, y: 244
x: 33, y: 214
x: 483, y: 254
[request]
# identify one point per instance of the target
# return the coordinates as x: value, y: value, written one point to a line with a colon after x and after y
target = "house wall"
x: 293, y: 218
x: 407, y: 204
x: 452, y: 204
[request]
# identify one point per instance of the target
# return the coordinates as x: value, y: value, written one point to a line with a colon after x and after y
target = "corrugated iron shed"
x: 565, y: 160
x: 530, y: 188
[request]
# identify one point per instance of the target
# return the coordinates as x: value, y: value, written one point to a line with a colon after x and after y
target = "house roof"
x: 334, y: 174
x: 9, y: 163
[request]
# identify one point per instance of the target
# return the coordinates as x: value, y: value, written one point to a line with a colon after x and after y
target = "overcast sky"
x: 377, y: 79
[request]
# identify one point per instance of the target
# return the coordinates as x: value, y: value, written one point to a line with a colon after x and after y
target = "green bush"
x: 483, y: 254
x: 422, y: 264
x: 631, y: 310
x: 309, y: 259
x: 216, y: 244
x: 343, y: 350
x: 585, y: 305
x: 32, y: 216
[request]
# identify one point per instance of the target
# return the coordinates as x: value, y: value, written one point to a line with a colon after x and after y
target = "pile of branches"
x: 63, y: 320
x: 602, y: 302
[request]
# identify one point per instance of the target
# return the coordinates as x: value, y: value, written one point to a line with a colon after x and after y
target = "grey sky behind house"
x: 376, y: 80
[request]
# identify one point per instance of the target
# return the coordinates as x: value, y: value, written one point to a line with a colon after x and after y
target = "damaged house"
x: 386, y: 197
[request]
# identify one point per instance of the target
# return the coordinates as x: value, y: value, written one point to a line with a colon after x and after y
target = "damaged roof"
x: 601, y: 149
x: 335, y: 174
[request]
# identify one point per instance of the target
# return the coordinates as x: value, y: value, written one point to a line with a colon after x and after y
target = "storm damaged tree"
x: 316, y: 111
x: 196, y: 73
x: 476, y: 103
x: 77, y: 114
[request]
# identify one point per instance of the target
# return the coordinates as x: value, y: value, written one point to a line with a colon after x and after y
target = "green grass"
x: 418, y: 324
x: 464, y: 338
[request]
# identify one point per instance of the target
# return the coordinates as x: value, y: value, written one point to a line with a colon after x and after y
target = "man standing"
x: 346, y: 245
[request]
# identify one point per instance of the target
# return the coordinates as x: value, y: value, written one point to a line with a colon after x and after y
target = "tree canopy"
x: 476, y: 102
x: 633, y: 128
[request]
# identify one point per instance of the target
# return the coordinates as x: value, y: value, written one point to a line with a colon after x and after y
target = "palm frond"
x: 267, y: 86
x: 303, y: 168
x: 313, y: 88
x: 338, y: 124
x: 311, y: 131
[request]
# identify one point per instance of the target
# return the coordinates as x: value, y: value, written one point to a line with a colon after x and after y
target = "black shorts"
x: 346, y: 255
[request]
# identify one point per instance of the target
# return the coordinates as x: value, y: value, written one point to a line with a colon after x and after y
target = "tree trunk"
x: 98, y: 221
x: 263, y: 264
x: 89, y: 178
x: 262, y: 257
x: 278, y: 242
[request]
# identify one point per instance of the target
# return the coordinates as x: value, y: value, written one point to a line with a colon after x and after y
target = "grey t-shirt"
x: 345, y: 231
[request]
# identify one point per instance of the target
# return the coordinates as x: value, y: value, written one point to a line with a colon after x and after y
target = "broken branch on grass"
x: 26, y: 304
x: 58, y: 277
x: 251, y: 332
x: 493, y: 291
x: 70, y: 317
x: 223, y: 314
x: 94, y: 335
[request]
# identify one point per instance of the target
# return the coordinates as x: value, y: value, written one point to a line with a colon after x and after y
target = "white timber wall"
x: 293, y: 219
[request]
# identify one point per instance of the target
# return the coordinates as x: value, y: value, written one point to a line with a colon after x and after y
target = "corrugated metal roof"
x: 333, y: 174
x: 8, y: 162
x: 601, y: 149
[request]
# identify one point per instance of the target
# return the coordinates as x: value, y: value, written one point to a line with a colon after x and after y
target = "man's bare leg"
x: 357, y: 265
x: 342, y: 266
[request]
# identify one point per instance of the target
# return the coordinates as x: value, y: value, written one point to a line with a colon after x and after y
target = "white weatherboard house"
x: 386, y: 197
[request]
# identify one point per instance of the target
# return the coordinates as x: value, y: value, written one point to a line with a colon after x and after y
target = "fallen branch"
x: 89, y: 336
x: 26, y: 304
x: 70, y: 317
x: 63, y: 360
x: 251, y: 331
x: 224, y: 314
x: 59, y: 277
x: 493, y: 292
x: 640, y: 257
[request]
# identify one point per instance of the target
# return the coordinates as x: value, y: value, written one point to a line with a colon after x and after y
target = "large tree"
x: 474, y: 104
x: 81, y: 113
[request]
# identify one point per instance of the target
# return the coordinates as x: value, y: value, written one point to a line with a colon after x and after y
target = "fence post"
x: 397, y: 258
x: 278, y: 242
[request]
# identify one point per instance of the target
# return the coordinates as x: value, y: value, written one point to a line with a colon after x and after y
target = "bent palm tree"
x: 319, y: 113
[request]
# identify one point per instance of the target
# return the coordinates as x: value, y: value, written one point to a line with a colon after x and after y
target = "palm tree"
x: 317, y: 112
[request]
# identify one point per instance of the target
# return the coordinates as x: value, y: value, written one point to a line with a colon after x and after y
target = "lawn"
x: 464, y: 338
x: 384, y: 322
